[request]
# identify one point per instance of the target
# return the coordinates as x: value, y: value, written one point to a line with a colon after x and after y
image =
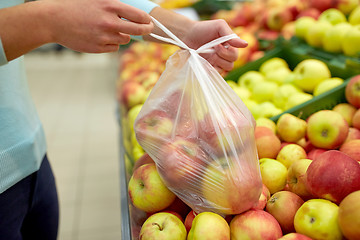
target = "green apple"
x: 132, y: 114
x: 309, y: 73
x: 290, y: 153
x: 279, y: 75
x: 350, y: 42
x: 333, y: 16
x: 264, y: 91
x: 147, y: 191
x: 163, y: 226
x: 302, y: 25
x: 273, y: 174
x: 282, y: 94
x: 283, y: 205
x: 242, y: 92
x: 333, y: 38
x: 354, y: 17
x: 296, y: 178
x: 327, y: 129
x: 265, y: 109
x: 209, y: 225
x: 250, y: 79
x: 272, y: 64
x: 318, y: 219
x: 250, y: 104
x: 314, y: 36
x: 232, y: 83
x: 290, y: 128
x: 297, y: 99
x: 349, y: 216
x: 326, y: 85
x: 347, y: 6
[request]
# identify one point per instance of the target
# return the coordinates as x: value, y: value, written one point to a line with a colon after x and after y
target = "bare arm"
x: 83, y: 25
x: 196, y: 33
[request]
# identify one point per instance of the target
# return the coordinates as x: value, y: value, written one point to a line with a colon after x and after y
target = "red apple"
x: 346, y: 110
x: 283, y: 206
x: 352, y: 148
x: 131, y: 93
x: 144, y: 159
x: 315, y: 152
x: 278, y: 17
x: 349, y: 216
x: 309, y: 12
x: 321, y: 5
x: 353, y: 134
x: 179, y: 207
x: 264, y: 197
x: 356, y: 119
x: 189, y: 219
x: 327, y: 129
x: 352, y: 91
x: 255, y: 224
x: 263, y: 136
x: 333, y: 175
x: 294, y: 236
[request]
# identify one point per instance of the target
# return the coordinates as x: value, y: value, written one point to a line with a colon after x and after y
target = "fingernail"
x: 244, y: 41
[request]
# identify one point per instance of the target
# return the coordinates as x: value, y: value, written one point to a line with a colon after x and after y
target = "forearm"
x: 24, y: 27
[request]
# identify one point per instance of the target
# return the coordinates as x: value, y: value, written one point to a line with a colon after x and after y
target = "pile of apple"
x: 310, y: 173
x: 333, y: 31
x: 275, y: 88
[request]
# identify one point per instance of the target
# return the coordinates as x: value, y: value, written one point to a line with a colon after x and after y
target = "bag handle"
x: 206, y: 48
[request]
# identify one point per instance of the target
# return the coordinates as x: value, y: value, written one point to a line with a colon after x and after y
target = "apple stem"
x: 160, y: 228
x: 312, y: 220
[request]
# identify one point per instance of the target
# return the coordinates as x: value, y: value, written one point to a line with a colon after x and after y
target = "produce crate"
x: 295, y: 53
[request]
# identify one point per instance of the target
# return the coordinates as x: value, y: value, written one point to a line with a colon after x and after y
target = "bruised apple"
x: 333, y: 175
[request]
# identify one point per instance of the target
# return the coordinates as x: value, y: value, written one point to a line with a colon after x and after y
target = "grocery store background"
x: 75, y: 98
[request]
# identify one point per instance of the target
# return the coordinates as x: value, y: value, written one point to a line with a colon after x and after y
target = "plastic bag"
x: 200, y: 134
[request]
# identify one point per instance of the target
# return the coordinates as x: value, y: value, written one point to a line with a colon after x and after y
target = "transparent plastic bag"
x: 200, y: 134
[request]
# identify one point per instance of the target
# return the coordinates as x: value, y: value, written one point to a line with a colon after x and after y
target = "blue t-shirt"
x: 22, y: 138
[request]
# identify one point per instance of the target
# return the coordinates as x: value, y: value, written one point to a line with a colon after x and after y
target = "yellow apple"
x: 290, y: 128
x: 333, y: 16
x: 350, y: 42
x: 326, y: 85
x: 132, y: 114
x: 332, y: 41
x: 297, y: 99
x: 314, y: 36
x: 265, y: 109
x: 250, y: 79
x: 242, y: 92
x: 296, y: 178
x: 291, y: 153
x: 208, y: 225
x: 273, y: 174
x: 302, y: 25
x: 266, y: 122
x: 282, y: 94
x: 318, y: 219
x: 354, y: 17
x: 279, y: 75
x: 264, y: 91
x: 272, y: 64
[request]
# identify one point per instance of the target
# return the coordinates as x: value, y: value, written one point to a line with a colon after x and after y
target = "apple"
x: 315, y: 152
x: 296, y: 178
x: 189, y: 220
x: 302, y: 25
x: 132, y: 114
x: 352, y: 148
x: 144, y: 159
x: 333, y: 16
x: 242, y: 58
x: 327, y: 85
x: 231, y: 185
x: 255, y: 224
x: 283, y: 206
x: 264, y: 197
x: 263, y: 136
x: 181, y: 162
x: 352, y: 91
x: 290, y: 128
x: 347, y: 6
x: 294, y: 236
x: 346, y: 110
x: 321, y: 5
x: 264, y: 91
x: 266, y: 122
x: 265, y: 109
x: 297, y: 99
x: 131, y: 93
x: 147, y: 191
x: 242, y: 92
x: 291, y: 153
x: 153, y: 128
x: 318, y: 219
x: 349, y: 216
x: 309, y: 12
x: 278, y: 76
x: 277, y: 18
x: 272, y: 64
x: 250, y: 79
x: 333, y: 38
x: 354, y: 17
x: 209, y: 225
x: 273, y: 174
x: 350, y: 39
x: 288, y: 30
x: 309, y: 73
x: 353, y: 134
x: 327, y: 129
x: 161, y: 226
x: 333, y: 175
x: 356, y: 119
x: 178, y: 206
x: 282, y: 94
x: 314, y: 36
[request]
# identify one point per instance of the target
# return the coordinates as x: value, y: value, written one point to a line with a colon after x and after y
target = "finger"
x: 132, y: 14
x: 133, y: 28
x: 223, y: 63
x: 224, y: 29
x: 227, y: 52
